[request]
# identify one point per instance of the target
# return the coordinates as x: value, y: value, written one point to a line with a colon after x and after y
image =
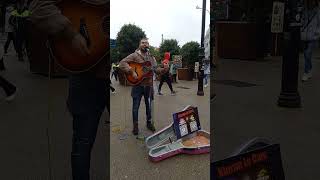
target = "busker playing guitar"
x: 145, y: 87
x: 87, y: 90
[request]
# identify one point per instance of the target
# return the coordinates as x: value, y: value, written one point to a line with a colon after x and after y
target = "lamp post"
x: 289, y: 96
x: 201, y: 55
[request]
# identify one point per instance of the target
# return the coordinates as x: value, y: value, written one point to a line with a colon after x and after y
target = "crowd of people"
x: 15, y: 31
x: 169, y: 76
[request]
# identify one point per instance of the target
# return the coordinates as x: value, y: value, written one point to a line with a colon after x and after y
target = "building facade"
x: 206, y: 44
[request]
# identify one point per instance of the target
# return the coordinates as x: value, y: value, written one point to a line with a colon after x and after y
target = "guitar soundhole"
x: 105, y: 25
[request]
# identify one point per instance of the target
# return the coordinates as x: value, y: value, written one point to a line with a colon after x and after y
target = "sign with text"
x: 186, y: 122
x: 261, y: 164
x: 277, y: 17
x: 219, y: 9
x: 177, y: 59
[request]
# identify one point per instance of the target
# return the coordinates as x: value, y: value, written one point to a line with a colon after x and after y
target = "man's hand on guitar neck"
x: 79, y: 44
x: 74, y: 39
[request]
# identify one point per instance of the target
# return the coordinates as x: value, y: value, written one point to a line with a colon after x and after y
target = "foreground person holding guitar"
x: 139, y: 67
x: 78, y: 34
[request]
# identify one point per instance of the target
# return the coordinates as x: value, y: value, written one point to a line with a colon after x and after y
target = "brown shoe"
x: 135, y: 130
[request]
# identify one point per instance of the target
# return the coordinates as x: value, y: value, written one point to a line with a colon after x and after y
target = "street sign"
x: 177, y: 59
x: 277, y: 17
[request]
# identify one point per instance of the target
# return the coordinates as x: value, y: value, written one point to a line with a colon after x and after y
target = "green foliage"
x: 155, y: 53
x: 169, y: 45
x: 114, y: 55
x: 190, y: 53
x: 128, y: 39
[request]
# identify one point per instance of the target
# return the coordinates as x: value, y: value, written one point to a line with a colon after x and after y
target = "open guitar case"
x: 164, y: 143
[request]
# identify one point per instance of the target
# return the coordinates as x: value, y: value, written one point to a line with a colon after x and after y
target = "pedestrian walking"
x: 18, y: 21
x: 9, y: 30
x: 173, y: 71
x: 310, y: 34
x: 165, y: 77
x: 206, y: 73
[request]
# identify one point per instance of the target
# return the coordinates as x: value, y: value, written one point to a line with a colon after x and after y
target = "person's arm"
x: 47, y: 18
x: 124, y: 64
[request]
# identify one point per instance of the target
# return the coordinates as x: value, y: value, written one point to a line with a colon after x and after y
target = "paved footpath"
x: 242, y: 113
x: 129, y: 157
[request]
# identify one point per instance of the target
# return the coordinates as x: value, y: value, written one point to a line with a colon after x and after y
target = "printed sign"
x: 261, y: 164
x: 177, y: 59
x: 186, y: 122
x: 196, y: 67
x: 220, y: 9
x: 277, y: 17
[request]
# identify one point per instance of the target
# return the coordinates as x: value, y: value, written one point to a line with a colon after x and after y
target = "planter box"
x: 185, y: 74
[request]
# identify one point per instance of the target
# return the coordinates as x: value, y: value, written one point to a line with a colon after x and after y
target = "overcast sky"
x: 175, y: 19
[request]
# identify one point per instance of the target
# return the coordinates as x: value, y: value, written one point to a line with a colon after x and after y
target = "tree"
x: 190, y: 53
x: 128, y: 39
x: 169, y: 45
x: 156, y: 53
x: 114, y: 55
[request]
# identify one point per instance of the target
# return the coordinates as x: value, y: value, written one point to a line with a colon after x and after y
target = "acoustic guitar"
x: 92, y: 22
x: 143, y: 70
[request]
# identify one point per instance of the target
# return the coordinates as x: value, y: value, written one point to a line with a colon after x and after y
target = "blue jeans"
x: 205, y: 79
x: 136, y: 93
x: 86, y: 102
x: 309, y: 47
